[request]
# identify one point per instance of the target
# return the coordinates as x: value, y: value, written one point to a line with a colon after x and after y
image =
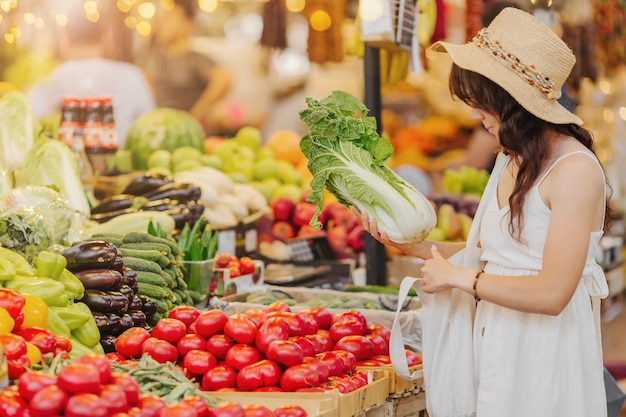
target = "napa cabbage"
x: 347, y: 156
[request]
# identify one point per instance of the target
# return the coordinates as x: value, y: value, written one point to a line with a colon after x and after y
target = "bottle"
x: 93, y: 135
x: 70, y: 119
x: 110, y: 141
x: 78, y: 146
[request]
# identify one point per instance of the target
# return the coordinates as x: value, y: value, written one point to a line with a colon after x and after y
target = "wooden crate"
x: 413, y: 405
x: 315, y: 406
x: 398, y: 386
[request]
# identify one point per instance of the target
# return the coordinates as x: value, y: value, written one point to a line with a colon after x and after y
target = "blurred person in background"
x: 87, y: 70
x: 181, y: 77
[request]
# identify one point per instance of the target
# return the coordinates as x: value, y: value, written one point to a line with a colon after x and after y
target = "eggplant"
x: 129, y: 277
x: 146, y: 183
x: 117, y: 202
x: 127, y: 322
x: 100, y: 279
x: 138, y: 316
x: 128, y: 292
x: 115, y: 322
x: 161, y: 204
x: 105, y: 302
x: 135, y: 304
x: 181, y: 191
x: 108, y: 343
x: 149, y: 306
x: 91, y: 255
x: 181, y: 216
x: 109, y: 215
x: 107, y: 323
x: 118, y: 265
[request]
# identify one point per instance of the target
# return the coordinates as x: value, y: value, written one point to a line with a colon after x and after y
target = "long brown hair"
x: 532, y: 152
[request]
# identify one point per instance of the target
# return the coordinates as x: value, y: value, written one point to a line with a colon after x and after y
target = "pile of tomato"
x: 269, y: 349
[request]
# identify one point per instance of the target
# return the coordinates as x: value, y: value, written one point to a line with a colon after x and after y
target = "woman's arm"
x: 575, y: 195
x: 220, y: 81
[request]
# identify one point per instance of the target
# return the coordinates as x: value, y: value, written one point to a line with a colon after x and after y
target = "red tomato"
x: 256, y: 314
x: 370, y: 362
x: 316, y: 341
x: 379, y: 346
x: 307, y: 345
x: 412, y: 358
x: 299, y: 376
x: 320, y: 367
x: 12, y: 301
x: 290, y: 411
x: 241, y: 328
x: 63, y: 343
x: 198, y: 362
x: 381, y: 330
x: 48, y: 401
x: 219, y: 344
x: 285, y: 352
x: 42, y: 338
x: 268, y: 389
x: 228, y: 409
x: 349, y: 314
x: 278, y: 306
x: 296, y: 325
x: 114, y: 397
x: 310, y: 325
x: 348, y: 358
x: 190, y: 342
x: 31, y: 382
x: 211, y: 322
x: 11, y: 405
x: 273, y: 328
x: 100, y: 362
x: 115, y: 357
x: 160, y: 350
x: 200, y: 405
x: 178, y: 410
x: 222, y: 260
x: 135, y: 412
x: 322, y: 316
x: 360, y: 378
x: 18, y: 366
x: 170, y: 330
x: 150, y: 405
x: 333, y: 361
x: 221, y: 376
x: 129, y: 385
x: 129, y: 343
x: 77, y: 378
x: 263, y: 373
x: 326, y: 342
x: 85, y: 405
x: 382, y: 358
x: 342, y: 383
x: 14, y: 345
x: 186, y: 314
x: 246, y: 265
x: 234, y: 270
x: 360, y: 346
x: 256, y: 410
x: 346, y: 327
x: 241, y: 355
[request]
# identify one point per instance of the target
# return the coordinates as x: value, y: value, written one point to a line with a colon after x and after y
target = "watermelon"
x: 162, y: 128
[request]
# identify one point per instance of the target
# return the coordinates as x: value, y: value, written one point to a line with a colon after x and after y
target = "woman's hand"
x: 370, y: 226
x: 439, y: 275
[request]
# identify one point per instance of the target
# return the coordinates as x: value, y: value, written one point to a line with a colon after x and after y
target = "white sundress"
x: 536, y: 365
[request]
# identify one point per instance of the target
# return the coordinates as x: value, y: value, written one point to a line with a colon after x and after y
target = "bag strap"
x: 396, y: 341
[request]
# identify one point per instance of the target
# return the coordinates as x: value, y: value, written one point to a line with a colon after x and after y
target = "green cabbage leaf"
x: 347, y: 156
x: 17, y: 127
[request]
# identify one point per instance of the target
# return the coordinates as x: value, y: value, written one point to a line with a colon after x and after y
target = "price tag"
x: 226, y: 241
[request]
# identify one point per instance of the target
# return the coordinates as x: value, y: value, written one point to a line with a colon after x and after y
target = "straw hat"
x: 523, y: 56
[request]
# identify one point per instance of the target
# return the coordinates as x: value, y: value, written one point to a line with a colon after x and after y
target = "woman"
x: 536, y: 341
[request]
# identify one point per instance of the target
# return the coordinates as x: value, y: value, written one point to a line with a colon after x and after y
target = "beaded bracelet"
x: 474, y: 293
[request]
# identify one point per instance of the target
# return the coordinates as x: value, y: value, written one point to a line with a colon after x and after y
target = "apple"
x: 356, y: 239
x: 303, y: 213
x: 282, y: 208
x: 283, y: 230
x: 307, y: 230
x: 264, y: 168
x: 337, y: 238
x: 291, y: 191
x: 250, y: 137
x: 345, y: 217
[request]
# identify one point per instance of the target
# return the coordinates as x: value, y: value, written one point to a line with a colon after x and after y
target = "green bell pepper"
x: 7, y: 271
x: 88, y: 334
x: 56, y: 325
x: 80, y: 349
x: 71, y: 316
x: 20, y: 264
x: 50, y: 264
x: 73, y: 286
x: 62, y: 300
x: 47, y: 289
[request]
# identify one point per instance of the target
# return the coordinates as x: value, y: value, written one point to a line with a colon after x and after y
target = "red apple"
x: 283, y: 230
x: 303, y: 213
x: 282, y: 208
x: 356, y: 239
x: 345, y: 217
x: 337, y: 238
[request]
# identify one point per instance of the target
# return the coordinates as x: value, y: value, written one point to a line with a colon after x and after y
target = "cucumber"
x: 153, y: 291
x: 161, y: 247
x: 138, y: 264
x: 182, y: 295
x: 113, y: 238
x: 147, y: 254
x: 162, y: 306
x: 150, y: 278
x: 169, y: 281
x: 139, y: 237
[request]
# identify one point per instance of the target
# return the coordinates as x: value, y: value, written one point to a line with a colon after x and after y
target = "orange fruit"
x: 285, y: 145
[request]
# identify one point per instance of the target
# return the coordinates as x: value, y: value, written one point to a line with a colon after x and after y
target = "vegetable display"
x: 347, y: 156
